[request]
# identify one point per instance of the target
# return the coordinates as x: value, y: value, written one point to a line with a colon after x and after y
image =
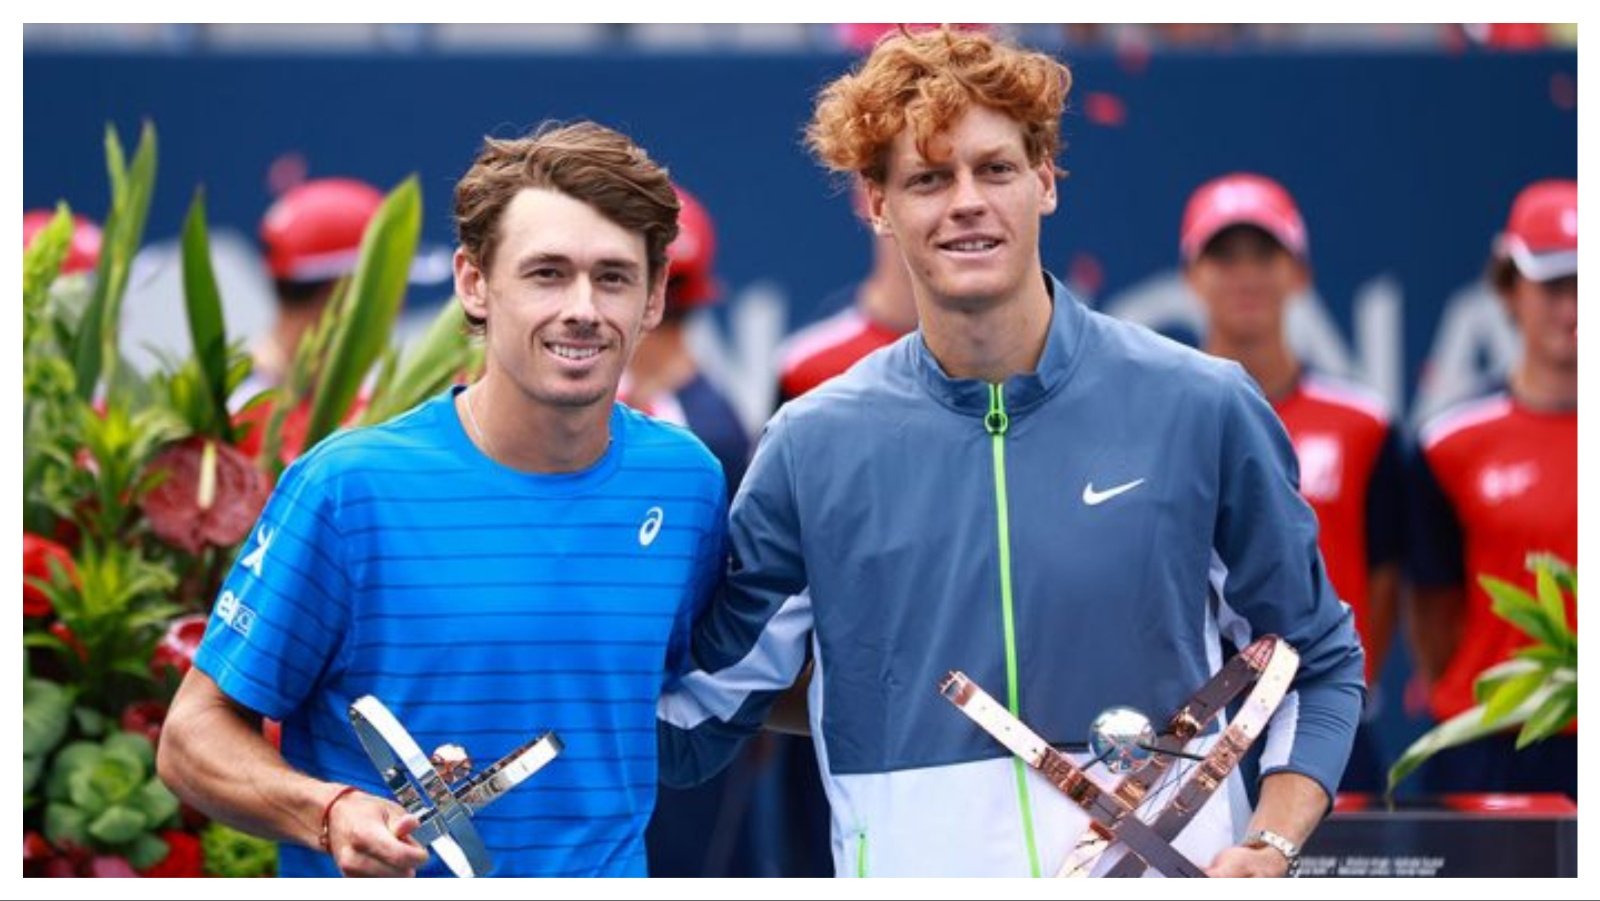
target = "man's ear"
x: 875, y: 209
x: 1047, y: 179
x: 655, y: 304
x: 471, y: 285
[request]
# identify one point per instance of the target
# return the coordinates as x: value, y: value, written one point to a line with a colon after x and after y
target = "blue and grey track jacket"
x: 1076, y: 538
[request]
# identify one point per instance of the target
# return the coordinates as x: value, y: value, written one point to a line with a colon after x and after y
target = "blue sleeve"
x: 279, y: 616
x: 1275, y: 580
x: 751, y: 642
x: 710, y: 565
x: 1435, y: 559
x: 1386, y: 503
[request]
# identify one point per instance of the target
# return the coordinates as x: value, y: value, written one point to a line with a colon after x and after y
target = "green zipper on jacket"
x: 996, y: 422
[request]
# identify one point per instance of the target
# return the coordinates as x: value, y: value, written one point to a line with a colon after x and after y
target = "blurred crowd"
x: 778, y: 37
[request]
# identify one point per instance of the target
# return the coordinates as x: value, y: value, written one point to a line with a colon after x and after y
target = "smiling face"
x: 566, y: 299
x: 968, y: 220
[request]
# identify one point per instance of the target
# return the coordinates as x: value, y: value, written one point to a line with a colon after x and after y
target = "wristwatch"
x: 1266, y: 838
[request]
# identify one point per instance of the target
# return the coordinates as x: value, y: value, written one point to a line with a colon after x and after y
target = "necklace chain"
x: 472, y: 419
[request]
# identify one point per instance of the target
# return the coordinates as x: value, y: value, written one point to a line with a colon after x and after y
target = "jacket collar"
x: 1021, y: 392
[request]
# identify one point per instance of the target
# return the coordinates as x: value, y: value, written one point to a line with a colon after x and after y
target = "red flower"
x: 61, y: 631
x: 211, y: 494
x: 144, y: 718
x: 110, y: 866
x: 176, y: 649
x: 35, y: 847
x: 37, y: 553
x: 293, y: 436
x: 60, y: 868
x: 183, y: 860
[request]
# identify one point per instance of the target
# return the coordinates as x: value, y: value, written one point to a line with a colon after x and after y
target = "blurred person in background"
x: 1246, y: 256
x: 729, y: 825
x: 872, y: 313
x: 663, y: 378
x: 311, y: 236
x: 1496, y: 479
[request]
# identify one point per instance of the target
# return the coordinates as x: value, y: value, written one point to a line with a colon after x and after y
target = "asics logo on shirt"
x: 253, y: 560
x: 652, y: 526
x: 1095, y: 498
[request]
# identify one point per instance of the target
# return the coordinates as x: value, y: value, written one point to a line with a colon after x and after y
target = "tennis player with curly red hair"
x: 1071, y: 509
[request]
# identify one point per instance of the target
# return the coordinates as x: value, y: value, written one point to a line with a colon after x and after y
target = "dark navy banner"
x: 1403, y: 163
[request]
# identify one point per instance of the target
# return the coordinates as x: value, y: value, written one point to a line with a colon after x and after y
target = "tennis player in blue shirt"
x: 521, y: 555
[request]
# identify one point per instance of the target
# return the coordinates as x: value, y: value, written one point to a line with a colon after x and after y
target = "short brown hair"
x: 925, y: 81
x: 1501, y: 274
x: 584, y: 160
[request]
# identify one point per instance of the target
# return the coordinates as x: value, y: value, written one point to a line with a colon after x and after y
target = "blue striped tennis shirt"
x: 483, y: 606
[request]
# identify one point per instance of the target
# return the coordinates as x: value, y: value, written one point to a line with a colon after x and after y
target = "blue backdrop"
x: 1404, y: 163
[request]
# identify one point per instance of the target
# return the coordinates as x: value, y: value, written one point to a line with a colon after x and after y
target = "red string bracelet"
x: 327, y: 810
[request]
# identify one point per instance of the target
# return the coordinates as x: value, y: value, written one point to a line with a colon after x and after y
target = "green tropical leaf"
x: 1521, y: 610
x: 1510, y: 694
x: 429, y: 364
x: 135, y: 747
x: 1467, y: 726
x: 76, y: 756
x: 206, y: 328
x: 131, y: 190
x: 1495, y: 676
x: 376, y: 290
x: 32, y: 769
x: 84, y: 786
x: 117, y: 825
x: 1546, y: 656
x: 46, y: 714
x: 146, y: 851
x: 1551, y: 602
x: 41, y: 260
x: 1566, y: 577
x: 229, y: 852
x: 156, y: 802
x: 1554, y: 715
x: 65, y: 824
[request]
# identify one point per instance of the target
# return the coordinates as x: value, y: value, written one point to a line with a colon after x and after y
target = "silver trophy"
x: 436, y: 787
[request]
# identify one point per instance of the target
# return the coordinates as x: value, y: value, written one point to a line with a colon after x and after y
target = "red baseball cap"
x: 1242, y: 199
x: 313, y: 232
x: 83, y: 253
x: 1541, y: 235
x: 690, y: 279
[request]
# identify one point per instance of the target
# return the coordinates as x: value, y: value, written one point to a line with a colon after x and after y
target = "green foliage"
x: 1537, y: 689
x: 431, y: 363
x: 231, y: 853
x: 206, y: 330
x: 92, y: 426
x: 46, y: 715
x: 117, y: 609
x: 375, y: 290
x: 104, y: 796
x: 95, y: 350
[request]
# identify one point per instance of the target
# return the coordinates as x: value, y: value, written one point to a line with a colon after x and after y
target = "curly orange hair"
x: 926, y: 81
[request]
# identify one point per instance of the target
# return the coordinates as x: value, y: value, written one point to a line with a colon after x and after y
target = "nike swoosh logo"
x: 1095, y: 498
